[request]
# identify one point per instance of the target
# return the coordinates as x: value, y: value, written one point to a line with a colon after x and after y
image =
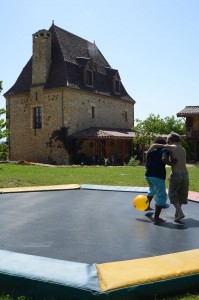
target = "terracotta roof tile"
x: 98, y: 133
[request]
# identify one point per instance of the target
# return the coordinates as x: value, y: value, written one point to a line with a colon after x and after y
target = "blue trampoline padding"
x: 114, y: 188
x: 22, y: 269
x: 41, y: 278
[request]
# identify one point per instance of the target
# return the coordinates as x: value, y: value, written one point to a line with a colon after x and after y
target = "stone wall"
x: 41, y: 59
x: 67, y: 107
x: 109, y: 112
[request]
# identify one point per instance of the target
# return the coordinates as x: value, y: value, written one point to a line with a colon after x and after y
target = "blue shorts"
x: 157, y: 189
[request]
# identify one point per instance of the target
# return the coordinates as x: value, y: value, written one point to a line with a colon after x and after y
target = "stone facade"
x: 60, y: 108
x: 41, y: 59
x: 52, y: 93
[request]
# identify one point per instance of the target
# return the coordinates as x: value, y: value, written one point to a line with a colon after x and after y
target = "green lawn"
x: 16, y: 175
x: 185, y: 297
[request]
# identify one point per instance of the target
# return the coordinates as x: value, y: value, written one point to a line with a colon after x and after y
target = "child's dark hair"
x: 174, y: 137
x: 160, y: 140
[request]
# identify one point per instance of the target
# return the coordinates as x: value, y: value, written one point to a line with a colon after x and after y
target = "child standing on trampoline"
x: 155, y: 176
x: 179, y: 178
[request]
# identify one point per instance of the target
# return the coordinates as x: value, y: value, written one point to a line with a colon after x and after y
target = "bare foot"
x: 179, y: 217
x: 158, y: 221
x: 149, y: 208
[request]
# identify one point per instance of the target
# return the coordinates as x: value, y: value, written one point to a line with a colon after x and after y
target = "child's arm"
x: 157, y: 146
x: 169, y: 161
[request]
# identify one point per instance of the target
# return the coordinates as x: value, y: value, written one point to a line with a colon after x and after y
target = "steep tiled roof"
x: 73, y: 46
x: 69, y: 56
x: 97, y: 133
x: 189, y: 111
x: 24, y: 80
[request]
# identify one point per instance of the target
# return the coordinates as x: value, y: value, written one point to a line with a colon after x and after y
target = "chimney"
x: 41, y: 59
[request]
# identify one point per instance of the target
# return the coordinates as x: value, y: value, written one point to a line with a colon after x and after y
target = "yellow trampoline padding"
x: 41, y: 188
x: 115, y: 275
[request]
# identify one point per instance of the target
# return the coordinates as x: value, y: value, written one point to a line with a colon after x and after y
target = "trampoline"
x: 85, y: 232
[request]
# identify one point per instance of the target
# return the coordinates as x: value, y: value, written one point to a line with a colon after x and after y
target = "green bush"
x: 3, y: 151
x: 134, y: 162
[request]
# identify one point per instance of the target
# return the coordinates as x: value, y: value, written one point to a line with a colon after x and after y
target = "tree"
x: 145, y: 131
x: 3, y: 131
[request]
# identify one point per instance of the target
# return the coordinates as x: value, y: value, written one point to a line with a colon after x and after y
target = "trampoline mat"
x: 91, y: 226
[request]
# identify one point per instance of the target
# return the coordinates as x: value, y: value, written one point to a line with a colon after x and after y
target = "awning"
x: 189, y: 111
x: 101, y: 133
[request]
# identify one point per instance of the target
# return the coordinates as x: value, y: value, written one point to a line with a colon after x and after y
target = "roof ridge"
x: 53, y: 27
x: 75, y: 35
x: 192, y: 106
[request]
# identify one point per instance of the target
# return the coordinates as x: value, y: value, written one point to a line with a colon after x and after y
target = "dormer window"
x: 117, y: 84
x: 89, y: 77
x: 89, y: 74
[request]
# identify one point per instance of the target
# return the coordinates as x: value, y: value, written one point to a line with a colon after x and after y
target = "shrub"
x: 3, y: 151
x: 133, y: 162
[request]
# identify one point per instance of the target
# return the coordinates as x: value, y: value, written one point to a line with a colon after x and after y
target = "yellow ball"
x: 141, y: 202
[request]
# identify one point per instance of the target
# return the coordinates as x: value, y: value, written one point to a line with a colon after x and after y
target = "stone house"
x: 191, y: 114
x: 68, y: 89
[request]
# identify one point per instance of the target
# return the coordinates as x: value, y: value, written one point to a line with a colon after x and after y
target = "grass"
x: 183, y: 297
x: 17, y: 175
x: 13, y: 175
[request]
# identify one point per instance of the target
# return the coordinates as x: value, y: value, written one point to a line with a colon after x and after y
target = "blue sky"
x: 154, y: 44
